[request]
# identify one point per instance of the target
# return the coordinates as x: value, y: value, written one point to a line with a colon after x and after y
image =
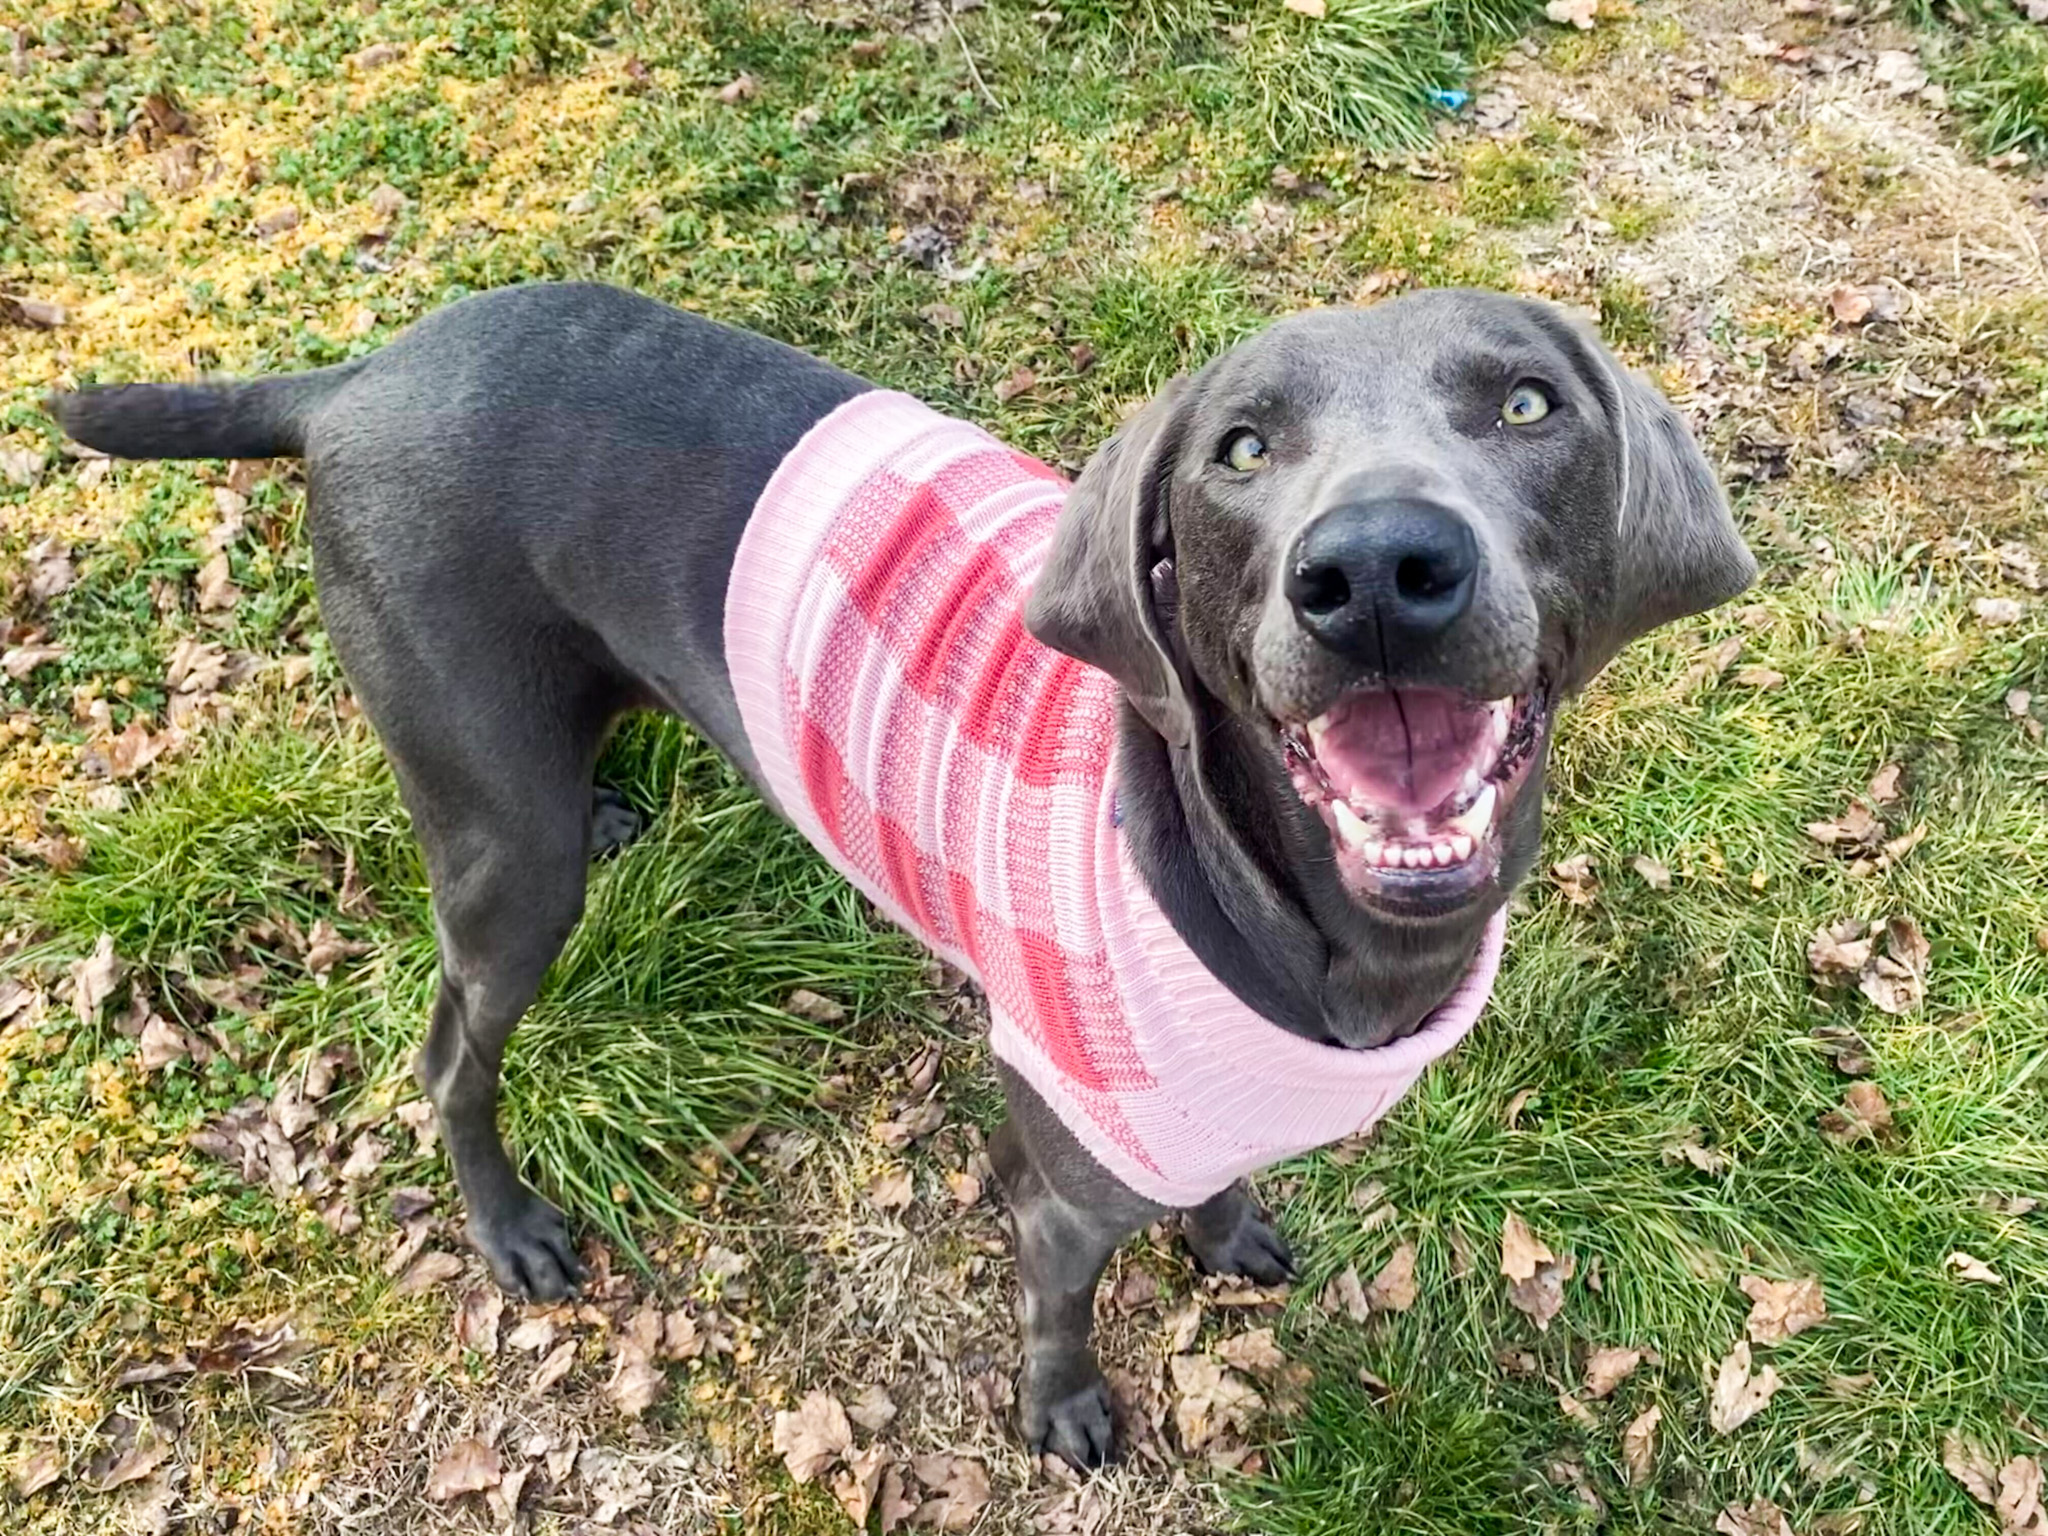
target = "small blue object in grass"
x: 1450, y: 101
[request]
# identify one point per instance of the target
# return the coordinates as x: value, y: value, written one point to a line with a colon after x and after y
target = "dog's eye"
x: 1245, y: 452
x: 1525, y: 403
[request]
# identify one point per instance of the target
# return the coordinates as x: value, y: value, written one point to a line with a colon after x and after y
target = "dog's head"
x: 1370, y: 550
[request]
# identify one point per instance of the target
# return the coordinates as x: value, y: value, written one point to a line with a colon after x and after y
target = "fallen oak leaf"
x: 855, y: 1488
x: 1969, y: 1267
x: 429, y: 1269
x: 1969, y: 1464
x: 326, y: 948
x: 1346, y: 1293
x: 1520, y: 1249
x: 476, y: 1319
x: 1762, y: 1518
x: 135, y: 1463
x: 1782, y: 1309
x: 896, y: 1505
x: 1575, y: 878
x: 553, y: 1367
x: 1209, y: 1400
x: 872, y: 1409
x: 1393, y: 1288
x: 1541, y: 1296
x: 35, y: 1471
x: 1607, y: 1369
x: 813, y: 1436
x: 1656, y: 875
x: 1864, y: 1115
x: 962, y: 1493
x: 94, y: 978
x: 1839, y: 950
x: 1738, y: 1396
x: 1255, y: 1353
x: 470, y: 1465
x: 2019, y: 1498
x: 1639, y: 1445
x: 891, y: 1189
x: 1577, y: 13
x: 162, y: 1043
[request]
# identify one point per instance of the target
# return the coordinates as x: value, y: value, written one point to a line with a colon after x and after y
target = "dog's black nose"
x: 1388, y: 573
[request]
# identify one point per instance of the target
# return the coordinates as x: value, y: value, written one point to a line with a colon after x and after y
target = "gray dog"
x: 1343, y: 575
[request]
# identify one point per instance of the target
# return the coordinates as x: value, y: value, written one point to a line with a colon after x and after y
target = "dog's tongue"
x: 1404, y: 748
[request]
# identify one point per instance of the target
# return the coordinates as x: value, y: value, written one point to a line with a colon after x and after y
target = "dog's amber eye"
x: 1525, y: 403
x: 1245, y: 452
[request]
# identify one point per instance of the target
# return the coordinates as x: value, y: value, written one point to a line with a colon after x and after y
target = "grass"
x: 1994, y: 63
x: 1107, y: 184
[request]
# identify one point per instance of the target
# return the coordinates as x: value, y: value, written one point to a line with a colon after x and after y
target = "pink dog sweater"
x: 961, y: 775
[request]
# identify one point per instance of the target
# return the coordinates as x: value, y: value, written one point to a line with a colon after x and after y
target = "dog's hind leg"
x: 494, y: 737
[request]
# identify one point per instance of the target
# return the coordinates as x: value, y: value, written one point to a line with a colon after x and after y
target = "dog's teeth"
x: 1354, y: 832
x: 1461, y: 847
x: 1372, y: 851
x: 1316, y: 729
x: 1415, y: 858
x: 1477, y: 819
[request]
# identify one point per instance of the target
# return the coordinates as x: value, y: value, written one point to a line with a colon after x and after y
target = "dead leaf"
x: 1541, y: 1296
x: 1969, y: 1267
x: 1782, y: 1309
x: 942, y: 317
x: 376, y: 56
x: 1607, y: 1369
x: 1709, y: 664
x: 1393, y: 1288
x: 914, y: 1124
x: 965, y: 1186
x: 1759, y: 677
x: 1310, y: 8
x: 1738, y: 1396
x: 1762, y: 1518
x: 1520, y: 1250
x: 810, y: 1005
x: 856, y: 1487
x: 896, y: 1505
x: 1639, y: 1445
x: 325, y: 948
x: 1182, y: 1324
x: 636, y: 1381
x: 94, y: 978
x: 554, y: 1367
x: 35, y: 1471
x: 1864, y: 1115
x: 1655, y: 875
x: 476, y: 1319
x: 1847, y: 1049
x: 1346, y: 1294
x: 1857, y: 830
x: 871, y: 1409
x: 1897, y: 980
x: 813, y: 1436
x: 2019, y: 1498
x: 19, y: 662
x: 1884, y: 787
x: 1255, y: 1353
x: 1839, y: 950
x: 962, y: 1493
x: 1575, y: 878
x: 891, y: 1189
x: 161, y: 1044
x: 1687, y: 1148
x: 1849, y: 305
x: 429, y: 1269
x: 1209, y: 1400
x: 135, y: 1463
x: 1020, y: 382
x: 1577, y: 13
x: 739, y: 88
x: 215, y: 585
x: 470, y: 1465
x: 1994, y: 612
x: 1970, y: 1465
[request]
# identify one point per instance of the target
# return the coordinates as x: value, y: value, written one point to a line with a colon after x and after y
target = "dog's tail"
x: 247, y: 419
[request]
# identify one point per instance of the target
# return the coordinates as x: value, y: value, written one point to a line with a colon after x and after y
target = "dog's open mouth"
x: 1414, y: 782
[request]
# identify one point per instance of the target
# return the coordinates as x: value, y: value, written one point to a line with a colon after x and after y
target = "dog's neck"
x: 1258, y: 902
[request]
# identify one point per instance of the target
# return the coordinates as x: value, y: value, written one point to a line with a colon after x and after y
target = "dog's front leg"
x: 1070, y: 1215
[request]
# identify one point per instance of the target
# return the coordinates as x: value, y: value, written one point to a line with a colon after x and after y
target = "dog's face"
x: 1375, y: 547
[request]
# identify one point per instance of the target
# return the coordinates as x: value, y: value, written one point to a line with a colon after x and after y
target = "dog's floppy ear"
x: 1093, y: 598
x: 1676, y: 547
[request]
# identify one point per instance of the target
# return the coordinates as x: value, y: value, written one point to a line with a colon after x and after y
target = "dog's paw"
x: 613, y: 823
x: 1244, y: 1242
x: 529, y: 1252
x: 1064, y: 1406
